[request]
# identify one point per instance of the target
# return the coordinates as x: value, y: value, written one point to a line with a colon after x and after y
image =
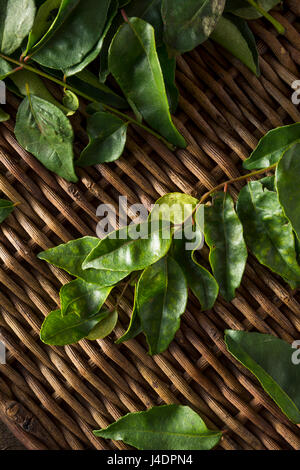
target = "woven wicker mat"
x: 52, y: 398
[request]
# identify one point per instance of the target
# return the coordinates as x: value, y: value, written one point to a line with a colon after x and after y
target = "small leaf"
x: 135, y: 327
x: 107, y: 135
x: 131, y: 248
x: 271, y: 147
x: 168, y: 67
x: 140, y: 77
x: 175, y: 207
x: 161, y: 300
x: 270, y: 360
x: 200, y: 281
x: 104, y: 327
x: 224, y: 236
x: 187, y: 24
x: 4, y: 116
x: 82, y: 298
x: 6, y: 69
x: 234, y: 34
x: 45, y: 16
x: 16, y: 21
x: 71, y: 102
x: 59, y: 331
x: 70, y: 256
x: 246, y: 11
x: 167, y: 427
x: 43, y: 130
x: 6, y: 207
x: 267, y: 231
x: 287, y: 183
x: 74, y: 34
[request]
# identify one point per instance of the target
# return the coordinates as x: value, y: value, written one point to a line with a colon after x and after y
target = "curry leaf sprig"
x: 77, y: 44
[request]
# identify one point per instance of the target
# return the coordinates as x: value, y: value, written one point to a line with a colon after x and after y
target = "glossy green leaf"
x: 6, y: 69
x: 104, y: 327
x: 69, y: 329
x: 70, y: 101
x: 268, y: 182
x: 135, y: 327
x: 271, y: 147
x: 45, y: 17
x: 270, y: 360
x: 80, y: 32
x: 244, y: 10
x: 82, y: 298
x: 200, y: 280
x: 287, y: 183
x: 6, y: 207
x: 187, y: 24
x: 267, y: 231
x: 16, y: 20
x: 43, y: 130
x: 131, y: 248
x: 70, y: 256
x: 161, y: 300
x: 140, y: 77
x: 168, y: 67
x: 167, y: 427
x: 4, y: 116
x: 235, y: 36
x: 107, y: 135
x: 175, y: 207
x: 224, y: 236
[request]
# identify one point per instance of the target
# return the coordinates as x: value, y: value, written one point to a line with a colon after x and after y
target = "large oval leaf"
x: 161, y: 300
x: 140, y: 77
x: 168, y: 427
x: 69, y: 329
x: 70, y: 256
x: 268, y: 233
x: 104, y: 327
x: 82, y: 298
x: 224, y: 235
x: 175, y: 207
x: 131, y: 248
x: 79, y: 34
x: 287, y: 182
x: 107, y: 135
x: 16, y: 20
x: 43, y: 129
x: 271, y: 147
x: 6, y: 207
x: 187, y: 24
x: 244, y: 10
x: 234, y: 34
x: 270, y: 360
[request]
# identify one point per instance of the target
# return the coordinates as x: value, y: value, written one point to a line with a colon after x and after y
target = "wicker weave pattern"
x: 52, y: 398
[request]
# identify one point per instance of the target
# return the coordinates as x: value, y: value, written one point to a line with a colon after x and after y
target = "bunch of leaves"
x: 77, y: 44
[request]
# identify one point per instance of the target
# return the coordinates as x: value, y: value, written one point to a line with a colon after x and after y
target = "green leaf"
x: 16, y: 21
x: 131, y: 248
x: 268, y: 182
x: 70, y: 101
x: 43, y: 130
x: 200, y: 281
x: 45, y: 17
x: 77, y: 34
x: 60, y: 330
x: 167, y: 427
x: 287, y: 184
x: 270, y: 360
x: 82, y: 298
x: 4, y: 116
x: 107, y: 135
x: 104, y: 327
x: 244, y: 10
x: 135, y: 327
x: 168, y: 67
x: 175, y: 207
x: 140, y: 77
x: 6, y: 69
x: 6, y: 207
x: 271, y: 147
x: 224, y: 235
x: 112, y: 11
x: 70, y: 256
x: 187, y: 24
x: 161, y: 300
x: 234, y: 34
x: 267, y: 231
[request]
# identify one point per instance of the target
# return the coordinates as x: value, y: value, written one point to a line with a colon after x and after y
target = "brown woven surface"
x: 52, y: 398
